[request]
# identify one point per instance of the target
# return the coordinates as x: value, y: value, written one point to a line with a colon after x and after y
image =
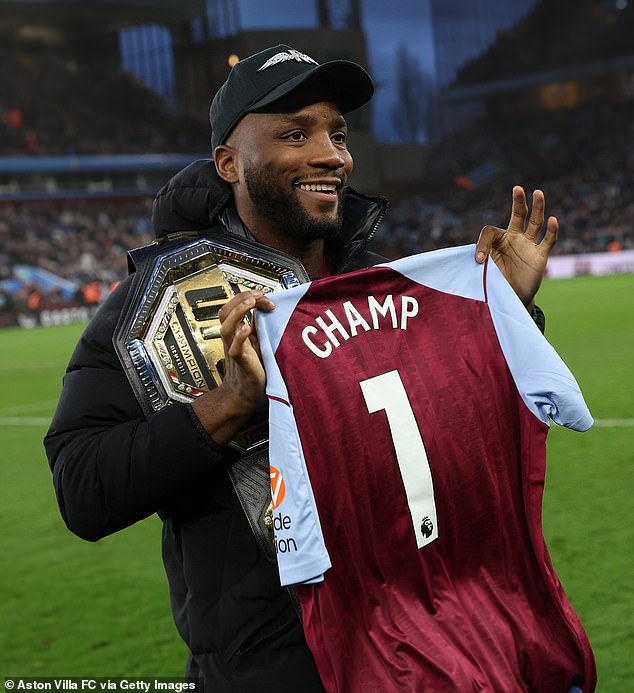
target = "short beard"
x: 284, y: 212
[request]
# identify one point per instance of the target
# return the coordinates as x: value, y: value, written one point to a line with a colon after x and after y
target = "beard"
x: 285, y: 212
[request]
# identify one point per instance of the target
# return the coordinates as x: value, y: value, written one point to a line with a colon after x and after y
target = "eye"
x: 295, y: 136
x: 339, y: 138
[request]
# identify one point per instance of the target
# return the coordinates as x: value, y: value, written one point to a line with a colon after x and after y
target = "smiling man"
x: 289, y: 172
x: 286, y: 154
x: 278, y: 176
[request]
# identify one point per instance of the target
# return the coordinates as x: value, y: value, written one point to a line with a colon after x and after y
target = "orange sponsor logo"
x: 278, y: 487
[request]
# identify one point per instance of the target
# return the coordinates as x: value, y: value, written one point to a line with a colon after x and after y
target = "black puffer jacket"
x: 112, y: 467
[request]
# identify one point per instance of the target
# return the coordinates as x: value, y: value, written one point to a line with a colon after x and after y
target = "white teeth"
x: 317, y: 187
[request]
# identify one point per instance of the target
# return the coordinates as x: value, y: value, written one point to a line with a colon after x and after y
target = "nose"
x: 326, y: 154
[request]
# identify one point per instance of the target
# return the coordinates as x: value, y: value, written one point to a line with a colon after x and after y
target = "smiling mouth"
x: 318, y: 187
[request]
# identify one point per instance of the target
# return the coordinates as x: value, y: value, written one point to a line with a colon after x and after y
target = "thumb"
x: 486, y: 239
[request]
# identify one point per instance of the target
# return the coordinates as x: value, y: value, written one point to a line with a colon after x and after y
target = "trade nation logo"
x: 278, y: 487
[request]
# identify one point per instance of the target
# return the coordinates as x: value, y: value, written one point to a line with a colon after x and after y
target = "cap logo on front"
x: 285, y: 56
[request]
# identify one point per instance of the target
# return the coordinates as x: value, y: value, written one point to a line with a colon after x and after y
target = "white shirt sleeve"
x: 543, y: 380
x: 301, y: 551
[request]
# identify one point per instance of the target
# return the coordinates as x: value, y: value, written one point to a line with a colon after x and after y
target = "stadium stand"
x: 70, y: 251
x: 556, y: 35
x: 558, y: 114
x: 59, y: 256
x: 59, y: 99
x: 582, y: 158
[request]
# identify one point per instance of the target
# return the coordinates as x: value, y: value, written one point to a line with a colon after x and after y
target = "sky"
x: 387, y: 24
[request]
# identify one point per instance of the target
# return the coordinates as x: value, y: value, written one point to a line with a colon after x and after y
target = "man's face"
x: 293, y: 169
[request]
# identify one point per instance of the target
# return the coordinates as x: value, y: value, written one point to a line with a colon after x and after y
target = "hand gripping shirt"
x: 409, y: 409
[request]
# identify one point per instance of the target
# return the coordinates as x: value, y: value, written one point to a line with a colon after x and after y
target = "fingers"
x: 519, y: 210
x: 536, y: 220
x: 490, y: 234
x: 486, y: 239
x: 235, y: 310
x: 234, y: 327
x: 550, y: 237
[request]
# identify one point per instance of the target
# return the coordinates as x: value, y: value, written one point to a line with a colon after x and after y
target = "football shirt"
x: 409, y: 409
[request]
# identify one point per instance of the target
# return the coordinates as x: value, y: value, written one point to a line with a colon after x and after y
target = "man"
x: 279, y: 173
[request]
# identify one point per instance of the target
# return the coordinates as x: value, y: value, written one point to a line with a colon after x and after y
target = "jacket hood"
x: 192, y: 200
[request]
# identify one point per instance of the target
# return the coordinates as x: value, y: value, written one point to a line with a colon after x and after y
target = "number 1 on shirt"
x: 387, y: 392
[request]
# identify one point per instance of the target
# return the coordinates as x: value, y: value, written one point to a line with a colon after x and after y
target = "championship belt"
x: 168, y: 337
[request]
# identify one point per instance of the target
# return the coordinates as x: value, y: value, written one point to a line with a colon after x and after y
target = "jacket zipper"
x: 384, y: 207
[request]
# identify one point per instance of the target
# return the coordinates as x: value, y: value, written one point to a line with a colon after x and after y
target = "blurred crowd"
x: 52, y: 102
x: 582, y: 158
x: 76, y: 241
x: 58, y: 100
x: 56, y: 255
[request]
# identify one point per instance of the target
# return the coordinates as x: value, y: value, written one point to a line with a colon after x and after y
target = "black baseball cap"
x: 265, y: 77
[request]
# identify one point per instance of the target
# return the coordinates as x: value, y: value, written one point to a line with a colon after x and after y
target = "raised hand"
x: 516, y: 250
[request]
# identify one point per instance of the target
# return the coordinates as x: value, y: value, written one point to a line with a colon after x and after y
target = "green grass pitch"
x: 72, y: 608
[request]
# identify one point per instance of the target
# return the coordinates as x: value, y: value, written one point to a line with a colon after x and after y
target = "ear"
x: 226, y: 161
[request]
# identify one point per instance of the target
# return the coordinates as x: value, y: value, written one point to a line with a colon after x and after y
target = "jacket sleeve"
x: 111, y: 466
